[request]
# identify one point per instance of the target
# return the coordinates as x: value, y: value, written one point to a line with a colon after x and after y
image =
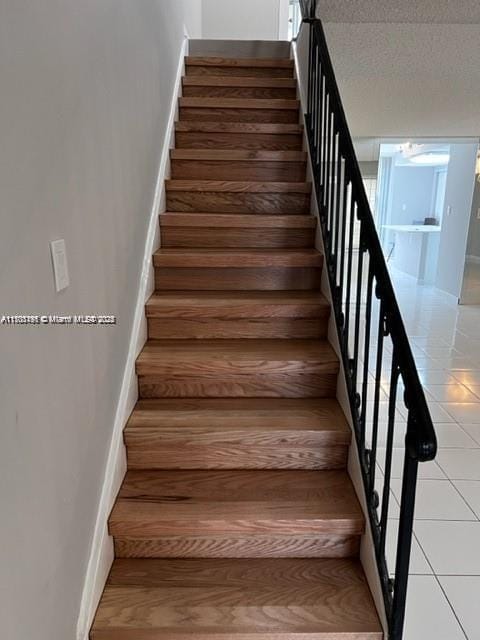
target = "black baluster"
x: 392, y: 401
x: 405, y: 528
x: 366, y: 358
x: 382, y: 332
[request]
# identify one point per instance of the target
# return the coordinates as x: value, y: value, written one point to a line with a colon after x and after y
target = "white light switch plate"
x: 60, y: 266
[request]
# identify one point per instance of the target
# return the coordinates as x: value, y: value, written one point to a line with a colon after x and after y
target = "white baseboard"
x: 101, y: 551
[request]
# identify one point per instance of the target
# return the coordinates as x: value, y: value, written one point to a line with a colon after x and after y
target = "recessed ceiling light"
x: 434, y: 159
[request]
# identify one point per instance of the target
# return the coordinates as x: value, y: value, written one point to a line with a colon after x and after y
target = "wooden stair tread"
x: 239, y: 103
x: 237, y: 514
x: 205, y: 61
x: 249, y: 304
x: 174, y: 219
x: 237, y: 258
x: 231, y: 414
x: 155, y: 503
x: 170, y: 356
x: 238, y: 186
x: 238, y: 127
x: 225, y: 599
x: 229, y: 155
x: 242, y: 81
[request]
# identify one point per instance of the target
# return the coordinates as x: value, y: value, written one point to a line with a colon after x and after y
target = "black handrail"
x: 346, y: 218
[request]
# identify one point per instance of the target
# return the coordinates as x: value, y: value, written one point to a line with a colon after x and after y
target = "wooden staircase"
x: 237, y: 519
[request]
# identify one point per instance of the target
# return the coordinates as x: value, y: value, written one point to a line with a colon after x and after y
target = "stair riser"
x: 211, y: 328
x: 272, y: 546
x: 210, y: 114
x: 238, y: 202
x: 253, y: 141
x: 294, y: 385
x: 245, y: 72
x: 266, y: 93
x: 238, y: 170
x: 225, y: 279
x: 235, y: 456
x: 255, y: 238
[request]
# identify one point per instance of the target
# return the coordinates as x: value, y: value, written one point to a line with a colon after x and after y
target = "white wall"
x: 86, y: 89
x: 244, y: 19
x: 411, y: 196
x: 408, y: 80
x: 458, y: 200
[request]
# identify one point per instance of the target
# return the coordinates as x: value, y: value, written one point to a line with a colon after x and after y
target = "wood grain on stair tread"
x: 239, y: 127
x: 197, y: 230
x: 237, y: 170
x: 240, y: 87
x: 216, y: 61
x: 222, y: 315
x: 237, y: 258
x: 229, y: 90
x: 232, y: 114
x: 163, y: 357
x: 205, y: 140
x: 234, y: 154
x: 239, y: 103
x: 237, y: 304
x: 238, y: 186
x: 238, y: 202
x: 237, y: 434
x: 324, y: 417
x: 246, y: 328
x: 239, y: 546
x: 172, y: 219
x: 232, y: 278
x: 212, y: 81
x: 194, y: 502
x: 239, y: 385
x: 227, y: 599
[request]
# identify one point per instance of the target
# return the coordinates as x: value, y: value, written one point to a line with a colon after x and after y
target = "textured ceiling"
x: 397, y: 11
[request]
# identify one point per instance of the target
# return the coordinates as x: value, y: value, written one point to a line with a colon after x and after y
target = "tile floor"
x: 444, y: 590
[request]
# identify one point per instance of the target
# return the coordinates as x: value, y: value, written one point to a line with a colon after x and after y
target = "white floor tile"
x: 425, y: 469
x: 452, y: 548
x: 463, y: 593
x: 475, y: 389
x: 454, y: 436
x: 451, y: 393
x: 437, y: 500
x: 438, y: 413
x: 468, y: 377
x: 460, y: 464
x: 468, y: 412
x: 382, y: 433
x: 445, y: 340
x: 462, y: 363
x: 428, y: 614
x: 418, y: 561
x: 470, y: 490
x: 437, y: 377
x: 473, y: 431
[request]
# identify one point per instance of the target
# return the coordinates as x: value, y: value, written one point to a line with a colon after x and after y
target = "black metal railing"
x: 375, y: 350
